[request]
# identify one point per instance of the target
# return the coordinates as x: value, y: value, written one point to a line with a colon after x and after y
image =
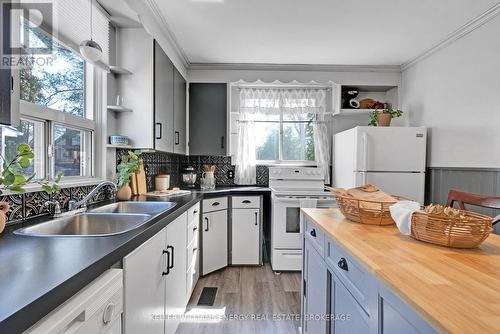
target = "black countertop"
x: 37, y: 274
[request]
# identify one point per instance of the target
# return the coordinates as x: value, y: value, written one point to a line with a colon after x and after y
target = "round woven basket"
x: 364, y: 211
x: 469, y: 231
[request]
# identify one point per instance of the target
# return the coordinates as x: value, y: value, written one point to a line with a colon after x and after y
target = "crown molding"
x: 153, y: 7
x: 294, y: 67
x: 456, y: 35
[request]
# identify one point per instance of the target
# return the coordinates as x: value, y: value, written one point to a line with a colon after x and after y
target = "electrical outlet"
x: 230, y: 174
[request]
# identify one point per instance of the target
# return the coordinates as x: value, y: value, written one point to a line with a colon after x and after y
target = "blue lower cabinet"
x: 315, y: 287
x: 346, y: 314
x: 341, y: 297
x: 396, y: 317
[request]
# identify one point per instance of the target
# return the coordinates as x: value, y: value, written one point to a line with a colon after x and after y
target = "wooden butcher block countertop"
x: 455, y: 290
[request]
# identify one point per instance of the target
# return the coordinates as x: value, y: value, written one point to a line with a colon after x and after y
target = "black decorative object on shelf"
x: 349, y: 95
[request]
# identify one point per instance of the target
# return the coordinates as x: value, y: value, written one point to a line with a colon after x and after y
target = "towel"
x: 401, y: 213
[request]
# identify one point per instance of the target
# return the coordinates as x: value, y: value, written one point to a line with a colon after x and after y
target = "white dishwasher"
x: 97, y: 308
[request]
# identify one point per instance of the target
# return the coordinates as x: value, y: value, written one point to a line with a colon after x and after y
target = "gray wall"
x: 477, y: 180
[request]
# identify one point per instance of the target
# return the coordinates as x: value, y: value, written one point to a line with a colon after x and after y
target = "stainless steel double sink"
x: 111, y: 219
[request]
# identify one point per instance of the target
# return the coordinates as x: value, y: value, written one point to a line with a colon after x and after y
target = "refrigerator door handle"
x: 364, y: 137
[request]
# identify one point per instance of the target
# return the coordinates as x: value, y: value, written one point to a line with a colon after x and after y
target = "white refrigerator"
x: 392, y: 158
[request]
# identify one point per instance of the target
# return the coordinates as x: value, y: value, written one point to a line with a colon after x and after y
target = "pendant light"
x: 89, y: 49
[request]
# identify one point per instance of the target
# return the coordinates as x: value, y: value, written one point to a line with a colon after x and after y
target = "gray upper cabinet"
x: 163, y: 101
x: 207, y: 118
x: 5, y: 92
x: 179, y: 113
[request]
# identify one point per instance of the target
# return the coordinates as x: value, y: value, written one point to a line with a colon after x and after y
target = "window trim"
x: 50, y: 117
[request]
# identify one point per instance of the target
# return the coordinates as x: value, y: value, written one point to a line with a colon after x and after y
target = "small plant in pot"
x: 384, y: 117
x: 14, y: 177
x: 130, y: 163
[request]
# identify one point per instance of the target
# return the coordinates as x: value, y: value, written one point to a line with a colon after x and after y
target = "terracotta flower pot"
x: 384, y: 119
x: 4, y: 208
x: 124, y: 193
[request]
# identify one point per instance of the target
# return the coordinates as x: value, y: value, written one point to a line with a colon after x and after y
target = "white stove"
x: 293, y: 188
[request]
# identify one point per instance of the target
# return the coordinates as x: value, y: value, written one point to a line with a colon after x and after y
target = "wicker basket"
x: 364, y: 211
x: 466, y: 232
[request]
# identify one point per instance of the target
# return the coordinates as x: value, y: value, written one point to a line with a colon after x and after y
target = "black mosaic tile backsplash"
x: 167, y: 163
x: 32, y: 204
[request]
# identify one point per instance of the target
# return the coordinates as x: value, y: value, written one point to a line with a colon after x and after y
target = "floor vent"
x: 207, y: 297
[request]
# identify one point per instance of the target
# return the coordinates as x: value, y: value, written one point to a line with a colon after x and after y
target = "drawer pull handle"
x: 343, y: 264
x: 313, y: 233
x: 246, y: 201
x: 215, y: 203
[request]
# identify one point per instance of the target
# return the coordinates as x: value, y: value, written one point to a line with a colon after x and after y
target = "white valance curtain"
x: 275, y: 101
x: 279, y: 100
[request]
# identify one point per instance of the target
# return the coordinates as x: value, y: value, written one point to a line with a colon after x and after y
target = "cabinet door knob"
x: 343, y: 264
x: 108, y: 313
x: 313, y: 233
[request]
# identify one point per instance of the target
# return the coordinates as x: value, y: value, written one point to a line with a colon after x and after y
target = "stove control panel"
x: 292, y: 173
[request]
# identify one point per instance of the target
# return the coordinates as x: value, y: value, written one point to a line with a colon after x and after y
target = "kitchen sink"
x: 86, y: 225
x: 151, y: 208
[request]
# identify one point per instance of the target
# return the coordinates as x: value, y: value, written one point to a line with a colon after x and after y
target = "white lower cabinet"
x: 176, y: 273
x: 245, y: 234
x: 144, y: 287
x: 193, y: 250
x: 214, y: 225
x: 97, y: 308
x: 155, y: 281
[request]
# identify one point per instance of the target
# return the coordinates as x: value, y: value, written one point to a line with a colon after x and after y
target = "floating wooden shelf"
x: 119, y: 108
x: 354, y: 112
x: 119, y: 70
x: 118, y: 146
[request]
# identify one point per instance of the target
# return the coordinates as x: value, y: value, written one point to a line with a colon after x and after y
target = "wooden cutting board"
x: 141, y: 181
x: 138, y: 182
x: 370, y: 193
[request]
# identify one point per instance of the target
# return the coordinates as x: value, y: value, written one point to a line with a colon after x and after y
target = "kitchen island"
x: 390, y: 283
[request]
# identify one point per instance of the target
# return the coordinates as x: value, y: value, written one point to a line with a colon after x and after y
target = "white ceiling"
x: 338, y: 32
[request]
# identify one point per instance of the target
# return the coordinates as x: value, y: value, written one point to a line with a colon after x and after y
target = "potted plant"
x: 130, y: 163
x: 384, y: 117
x: 14, y: 178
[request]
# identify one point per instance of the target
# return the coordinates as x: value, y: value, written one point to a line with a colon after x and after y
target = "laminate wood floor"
x: 249, y: 300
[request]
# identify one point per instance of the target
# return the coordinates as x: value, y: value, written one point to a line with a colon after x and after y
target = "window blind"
x: 72, y: 24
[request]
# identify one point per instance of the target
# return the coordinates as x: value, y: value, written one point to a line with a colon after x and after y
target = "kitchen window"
x: 284, y: 139
x: 57, y: 113
x: 280, y: 125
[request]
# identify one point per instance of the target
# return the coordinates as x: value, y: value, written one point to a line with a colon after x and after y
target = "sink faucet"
x: 74, y: 205
x: 57, y: 208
